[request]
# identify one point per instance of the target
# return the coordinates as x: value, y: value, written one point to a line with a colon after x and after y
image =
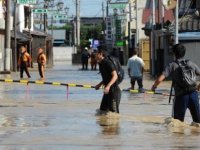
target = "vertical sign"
x: 108, y: 28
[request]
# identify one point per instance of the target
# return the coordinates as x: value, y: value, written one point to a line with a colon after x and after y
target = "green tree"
x: 90, y: 32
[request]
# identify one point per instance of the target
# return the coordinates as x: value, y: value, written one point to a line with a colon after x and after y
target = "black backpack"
x: 187, y: 76
x: 118, y: 67
x: 184, y: 78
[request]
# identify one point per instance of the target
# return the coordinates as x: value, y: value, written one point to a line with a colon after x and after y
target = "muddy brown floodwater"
x: 44, y: 117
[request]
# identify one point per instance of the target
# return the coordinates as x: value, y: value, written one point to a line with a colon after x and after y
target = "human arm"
x: 197, y: 72
x: 142, y: 67
x: 99, y: 85
x: 29, y: 58
x: 43, y: 59
x: 112, y: 81
x: 158, y: 81
x: 129, y: 68
x: 166, y: 73
x: 129, y: 72
x: 19, y: 62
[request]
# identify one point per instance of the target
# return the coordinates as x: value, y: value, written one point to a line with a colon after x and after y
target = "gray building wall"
x: 58, y: 34
x: 192, y: 51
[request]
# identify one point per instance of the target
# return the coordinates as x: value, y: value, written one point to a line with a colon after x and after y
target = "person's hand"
x: 153, y: 88
x: 129, y: 75
x: 97, y: 87
x: 107, y: 89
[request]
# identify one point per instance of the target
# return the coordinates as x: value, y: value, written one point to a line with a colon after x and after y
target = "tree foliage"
x: 90, y: 32
x: 86, y: 32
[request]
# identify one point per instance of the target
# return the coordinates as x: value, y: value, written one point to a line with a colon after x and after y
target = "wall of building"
x: 141, y: 6
x: 62, y: 53
x: 21, y: 17
x: 192, y: 50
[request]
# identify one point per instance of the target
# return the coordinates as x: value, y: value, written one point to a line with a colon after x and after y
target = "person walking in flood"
x: 112, y: 92
x: 24, y: 62
x: 84, y: 58
x: 41, y: 60
x: 135, y: 70
x: 186, y: 95
x: 93, y: 61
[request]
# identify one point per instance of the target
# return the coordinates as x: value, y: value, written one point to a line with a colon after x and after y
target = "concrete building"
x: 37, y: 38
x: 162, y: 33
x: 22, y: 33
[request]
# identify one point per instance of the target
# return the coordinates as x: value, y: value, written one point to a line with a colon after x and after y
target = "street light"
x: 60, y: 5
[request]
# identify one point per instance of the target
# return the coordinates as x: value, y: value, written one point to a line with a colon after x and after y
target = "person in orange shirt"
x: 24, y: 61
x: 41, y: 60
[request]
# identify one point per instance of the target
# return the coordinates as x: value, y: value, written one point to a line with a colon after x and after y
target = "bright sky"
x: 88, y: 8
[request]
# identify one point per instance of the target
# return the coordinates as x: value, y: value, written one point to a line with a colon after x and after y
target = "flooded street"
x: 47, y: 117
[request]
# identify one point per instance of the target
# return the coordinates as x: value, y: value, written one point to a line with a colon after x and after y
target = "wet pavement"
x: 45, y: 117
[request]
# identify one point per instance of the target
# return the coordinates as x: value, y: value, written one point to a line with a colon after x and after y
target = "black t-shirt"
x: 106, y: 68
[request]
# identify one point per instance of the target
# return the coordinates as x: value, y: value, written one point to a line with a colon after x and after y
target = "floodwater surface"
x: 47, y: 117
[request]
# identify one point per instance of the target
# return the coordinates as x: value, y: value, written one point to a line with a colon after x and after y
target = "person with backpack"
x: 41, y: 60
x: 112, y: 93
x: 24, y: 61
x: 183, y: 73
x: 135, y: 67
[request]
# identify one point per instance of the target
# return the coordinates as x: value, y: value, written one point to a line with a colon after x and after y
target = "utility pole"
x: 137, y: 24
x: 45, y: 19
x: 176, y: 28
x: 107, y: 8
x: 77, y: 23
x: 103, y: 22
x: 129, y: 31
x: 7, y: 38
x: 15, y: 38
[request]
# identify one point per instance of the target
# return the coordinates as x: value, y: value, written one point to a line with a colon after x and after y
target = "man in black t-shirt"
x: 112, y: 92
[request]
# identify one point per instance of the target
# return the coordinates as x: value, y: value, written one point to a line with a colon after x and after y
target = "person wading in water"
x: 24, y: 62
x: 41, y: 60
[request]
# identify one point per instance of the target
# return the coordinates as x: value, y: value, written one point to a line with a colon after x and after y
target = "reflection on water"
x: 26, y: 122
x: 109, y: 123
x: 176, y: 126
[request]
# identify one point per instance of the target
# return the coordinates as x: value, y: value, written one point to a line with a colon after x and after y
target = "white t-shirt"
x: 135, y: 64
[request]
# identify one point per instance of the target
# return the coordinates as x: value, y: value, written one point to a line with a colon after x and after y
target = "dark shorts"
x: 139, y: 81
x: 111, y: 101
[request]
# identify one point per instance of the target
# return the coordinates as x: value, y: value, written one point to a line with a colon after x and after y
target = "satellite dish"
x: 169, y: 4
